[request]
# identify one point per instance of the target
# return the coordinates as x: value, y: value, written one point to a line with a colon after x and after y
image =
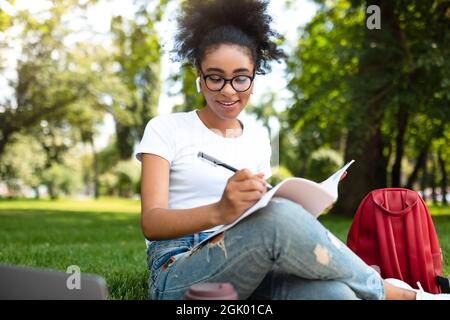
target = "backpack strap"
x: 409, y: 200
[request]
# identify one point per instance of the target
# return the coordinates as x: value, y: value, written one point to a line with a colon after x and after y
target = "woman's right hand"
x: 242, y: 191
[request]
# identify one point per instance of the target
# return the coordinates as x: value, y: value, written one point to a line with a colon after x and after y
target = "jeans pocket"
x: 159, y: 253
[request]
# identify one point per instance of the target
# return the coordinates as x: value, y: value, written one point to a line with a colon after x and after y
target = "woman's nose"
x: 228, y: 89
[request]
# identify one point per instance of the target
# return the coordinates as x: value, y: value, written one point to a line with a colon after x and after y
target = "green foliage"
x: 376, y: 96
x: 323, y: 163
x: 108, y: 184
x: 22, y: 163
x: 55, y: 83
x: 138, y: 53
x: 279, y: 175
x: 329, y: 83
x: 128, y: 175
x: 322, y: 64
x: 5, y: 19
x: 192, y: 100
x: 61, y: 180
x: 108, y: 156
x: 350, y: 85
x: 265, y: 111
x: 117, y: 177
x: 62, y: 92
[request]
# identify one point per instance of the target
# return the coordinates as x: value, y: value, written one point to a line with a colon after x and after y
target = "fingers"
x: 250, y: 196
x: 253, y: 184
x: 241, y: 175
x: 246, y: 174
x: 247, y: 187
x: 260, y: 175
x: 248, y: 181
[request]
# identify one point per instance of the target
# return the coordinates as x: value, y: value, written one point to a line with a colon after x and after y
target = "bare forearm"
x: 161, y: 223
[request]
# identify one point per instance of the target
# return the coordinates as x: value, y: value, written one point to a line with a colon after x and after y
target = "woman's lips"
x: 227, y: 104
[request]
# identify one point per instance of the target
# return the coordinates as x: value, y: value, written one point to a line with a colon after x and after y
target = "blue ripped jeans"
x: 279, y: 252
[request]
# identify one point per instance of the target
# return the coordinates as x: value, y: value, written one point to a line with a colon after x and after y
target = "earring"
x: 197, y: 82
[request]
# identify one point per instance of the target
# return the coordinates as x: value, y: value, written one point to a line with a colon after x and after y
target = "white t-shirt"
x: 178, y: 137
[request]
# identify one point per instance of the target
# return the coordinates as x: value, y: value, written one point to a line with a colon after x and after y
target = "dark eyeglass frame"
x: 230, y: 80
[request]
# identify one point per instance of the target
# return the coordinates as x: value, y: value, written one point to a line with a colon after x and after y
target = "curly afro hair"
x: 205, y: 24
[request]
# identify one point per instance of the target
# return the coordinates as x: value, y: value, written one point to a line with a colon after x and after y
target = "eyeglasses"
x: 215, y: 82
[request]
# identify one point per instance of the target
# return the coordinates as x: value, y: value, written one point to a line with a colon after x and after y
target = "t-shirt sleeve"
x: 264, y: 165
x: 157, y: 139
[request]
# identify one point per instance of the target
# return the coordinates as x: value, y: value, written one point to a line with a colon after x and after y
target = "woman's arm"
x: 158, y: 222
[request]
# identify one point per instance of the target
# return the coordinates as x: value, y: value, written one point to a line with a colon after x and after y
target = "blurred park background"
x: 79, y: 80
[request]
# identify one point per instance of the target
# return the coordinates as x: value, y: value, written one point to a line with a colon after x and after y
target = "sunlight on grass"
x: 438, y: 210
x: 102, y: 204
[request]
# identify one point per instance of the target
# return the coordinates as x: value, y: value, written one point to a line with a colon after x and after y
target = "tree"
x: 192, y: 100
x: 128, y: 174
x: 367, y: 87
x: 5, y: 18
x: 22, y: 164
x: 138, y: 57
x: 45, y: 84
x: 61, y: 180
x: 321, y: 67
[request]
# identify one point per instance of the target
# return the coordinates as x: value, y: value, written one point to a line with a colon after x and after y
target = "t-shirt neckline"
x: 211, y: 132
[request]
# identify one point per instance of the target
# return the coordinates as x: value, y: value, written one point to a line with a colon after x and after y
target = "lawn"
x: 103, y: 237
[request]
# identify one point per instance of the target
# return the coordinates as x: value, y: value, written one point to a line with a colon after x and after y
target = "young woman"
x: 281, y: 252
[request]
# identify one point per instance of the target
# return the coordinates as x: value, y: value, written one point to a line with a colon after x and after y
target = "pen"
x: 217, y: 162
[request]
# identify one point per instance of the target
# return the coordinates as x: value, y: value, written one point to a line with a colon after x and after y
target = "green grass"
x: 103, y: 237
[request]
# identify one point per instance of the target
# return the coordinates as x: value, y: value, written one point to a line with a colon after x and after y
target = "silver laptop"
x: 24, y: 283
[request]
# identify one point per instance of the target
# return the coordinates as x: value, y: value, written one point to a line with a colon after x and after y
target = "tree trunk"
x: 368, y: 172
x: 4, y: 139
x: 419, y: 164
x: 125, y: 141
x: 402, y: 122
x: 403, y: 114
x: 37, y: 194
x: 51, y: 192
x: 424, y: 178
x: 96, y: 169
x: 2, y: 146
x: 443, y: 175
x: 433, y: 180
x: 365, y: 141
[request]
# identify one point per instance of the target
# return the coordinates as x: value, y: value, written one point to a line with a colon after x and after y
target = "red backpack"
x: 393, y: 230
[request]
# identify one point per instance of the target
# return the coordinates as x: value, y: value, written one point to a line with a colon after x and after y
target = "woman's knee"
x: 280, y: 218
x: 289, y: 216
